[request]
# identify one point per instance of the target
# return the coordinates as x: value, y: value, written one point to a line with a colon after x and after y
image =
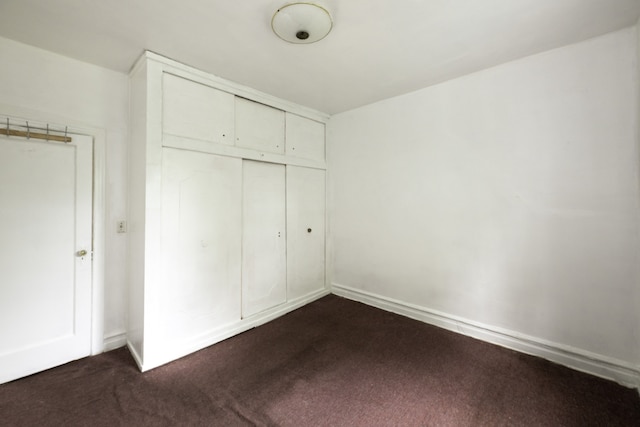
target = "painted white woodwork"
x: 263, y: 237
x: 45, y: 257
x: 201, y: 242
x: 196, y: 111
x: 508, y: 197
x: 305, y: 138
x: 45, y: 87
x: 193, y: 204
x: 239, y: 152
x: 180, y: 69
x: 305, y: 231
x: 137, y: 210
x: 259, y: 126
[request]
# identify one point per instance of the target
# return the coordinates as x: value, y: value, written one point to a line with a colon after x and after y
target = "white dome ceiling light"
x: 301, y: 23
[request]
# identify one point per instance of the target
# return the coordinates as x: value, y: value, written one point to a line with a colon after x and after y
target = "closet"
x: 226, y: 211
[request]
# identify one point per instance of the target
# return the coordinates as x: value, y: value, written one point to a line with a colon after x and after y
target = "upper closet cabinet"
x: 196, y: 111
x: 259, y: 126
x: 305, y: 138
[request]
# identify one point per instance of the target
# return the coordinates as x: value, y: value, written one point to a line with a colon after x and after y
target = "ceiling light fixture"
x: 301, y: 22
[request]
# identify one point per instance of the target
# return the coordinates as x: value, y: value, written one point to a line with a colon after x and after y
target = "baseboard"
x: 581, y: 360
x: 135, y: 355
x: 115, y: 341
x: 214, y: 336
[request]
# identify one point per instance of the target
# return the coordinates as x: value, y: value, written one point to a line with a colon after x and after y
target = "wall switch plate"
x: 122, y: 226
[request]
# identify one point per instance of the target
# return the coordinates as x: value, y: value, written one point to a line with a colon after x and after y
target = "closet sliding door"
x: 201, y: 232
x: 263, y: 237
x: 305, y: 231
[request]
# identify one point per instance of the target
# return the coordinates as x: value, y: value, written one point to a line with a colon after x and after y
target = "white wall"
x: 508, y: 198
x: 79, y: 94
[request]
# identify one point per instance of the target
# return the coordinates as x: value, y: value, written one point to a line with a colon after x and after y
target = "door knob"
x: 308, y: 230
x: 81, y: 253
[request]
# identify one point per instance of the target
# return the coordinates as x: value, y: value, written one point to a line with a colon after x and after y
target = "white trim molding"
x: 595, y: 364
x: 216, y: 335
x: 99, y: 206
x: 114, y: 341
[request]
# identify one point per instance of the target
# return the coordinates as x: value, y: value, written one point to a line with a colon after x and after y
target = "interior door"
x: 45, y: 273
x: 263, y: 237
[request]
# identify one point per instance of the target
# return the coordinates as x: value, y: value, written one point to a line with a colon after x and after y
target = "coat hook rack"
x: 31, y: 132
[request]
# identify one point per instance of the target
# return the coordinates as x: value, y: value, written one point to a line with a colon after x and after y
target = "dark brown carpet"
x: 332, y: 363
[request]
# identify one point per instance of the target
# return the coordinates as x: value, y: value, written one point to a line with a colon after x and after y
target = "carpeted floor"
x: 331, y: 363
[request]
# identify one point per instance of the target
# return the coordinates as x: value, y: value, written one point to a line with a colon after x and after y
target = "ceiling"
x: 377, y: 49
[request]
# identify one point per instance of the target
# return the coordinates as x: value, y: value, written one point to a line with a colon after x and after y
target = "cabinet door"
x: 259, y: 126
x: 263, y: 237
x: 305, y: 138
x: 305, y: 231
x: 194, y: 110
x: 201, y: 243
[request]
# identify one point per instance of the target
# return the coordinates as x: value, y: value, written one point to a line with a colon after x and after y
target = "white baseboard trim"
x: 115, y: 341
x: 135, y: 355
x: 178, y: 350
x: 581, y: 360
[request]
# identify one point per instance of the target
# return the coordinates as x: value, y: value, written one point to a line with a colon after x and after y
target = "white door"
x: 193, y: 110
x: 263, y: 237
x: 201, y: 237
x: 305, y: 231
x: 259, y: 126
x: 305, y: 137
x: 45, y: 280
